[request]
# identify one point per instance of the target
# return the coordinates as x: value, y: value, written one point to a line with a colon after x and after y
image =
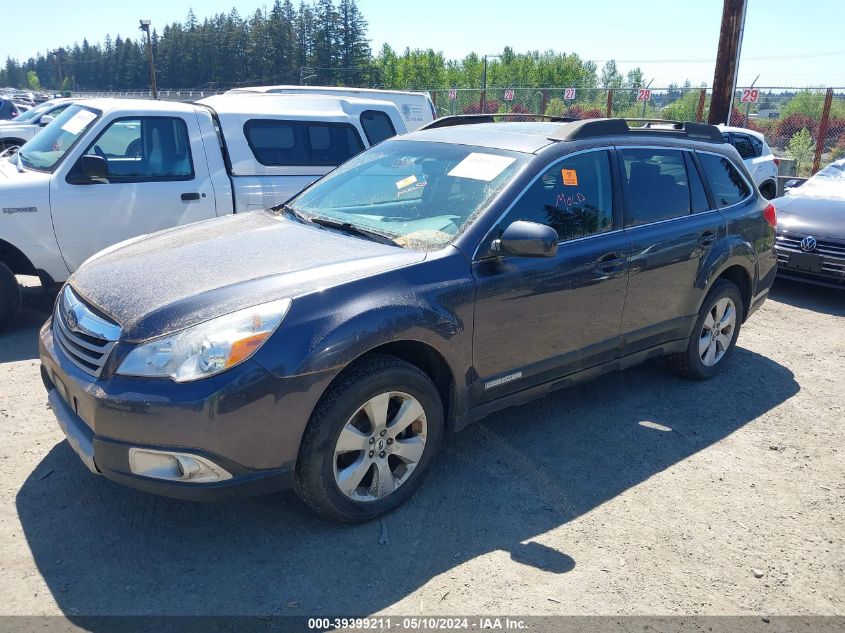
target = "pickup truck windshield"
x: 420, y: 194
x: 46, y: 150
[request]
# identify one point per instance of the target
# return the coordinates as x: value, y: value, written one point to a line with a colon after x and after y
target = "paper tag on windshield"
x: 78, y: 121
x: 481, y: 166
x: 406, y: 182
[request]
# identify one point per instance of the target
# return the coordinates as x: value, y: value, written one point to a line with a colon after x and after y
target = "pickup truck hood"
x: 810, y: 215
x: 186, y: 275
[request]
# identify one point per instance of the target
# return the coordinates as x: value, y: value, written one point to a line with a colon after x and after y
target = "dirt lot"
x: 641, y: 493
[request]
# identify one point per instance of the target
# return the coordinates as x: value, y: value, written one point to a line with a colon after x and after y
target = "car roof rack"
x: 592, y: 128
x: 493, y: 117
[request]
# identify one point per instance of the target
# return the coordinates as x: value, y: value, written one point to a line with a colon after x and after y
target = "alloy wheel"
x: 379, y: 446
x: 717, y: 332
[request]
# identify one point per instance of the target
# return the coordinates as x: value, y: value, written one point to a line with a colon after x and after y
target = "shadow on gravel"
x: 816, y: 298
x: 104, y: 549
x: 20, y: 340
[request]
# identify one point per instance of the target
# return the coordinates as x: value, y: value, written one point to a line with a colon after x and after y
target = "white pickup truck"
x: 107, y: 170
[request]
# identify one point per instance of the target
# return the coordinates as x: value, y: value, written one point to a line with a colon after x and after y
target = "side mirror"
x: 91, y: 169
x: 792, y: 183
x: 527, y: 239
x: 47, y: 119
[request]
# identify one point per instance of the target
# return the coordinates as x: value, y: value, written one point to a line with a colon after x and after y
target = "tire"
x: 343, y: 409
x: 768, y: 190
x: 701, y: 362
x: 10, y: 297
x: 10, y: 143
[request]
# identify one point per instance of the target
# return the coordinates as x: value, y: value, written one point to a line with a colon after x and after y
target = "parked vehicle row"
x: 107, y: 170
x: 329, y: 343
x: 25, y: 126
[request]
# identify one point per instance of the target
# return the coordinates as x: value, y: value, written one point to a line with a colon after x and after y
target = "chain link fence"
x: 804, y: 126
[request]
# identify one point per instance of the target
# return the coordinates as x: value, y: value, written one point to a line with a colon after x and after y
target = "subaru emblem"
x: 808, y: 244
x: 72, y: 319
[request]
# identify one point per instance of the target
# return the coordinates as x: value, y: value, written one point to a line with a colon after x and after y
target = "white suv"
x: 757, y: 156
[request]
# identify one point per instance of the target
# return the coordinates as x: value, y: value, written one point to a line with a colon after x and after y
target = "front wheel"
x: 370, y: 441
x: 714, y: 335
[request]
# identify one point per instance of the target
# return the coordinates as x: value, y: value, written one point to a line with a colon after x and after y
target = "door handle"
x: 611, y: 263
x: 707, y: 238
x: 190, y: 196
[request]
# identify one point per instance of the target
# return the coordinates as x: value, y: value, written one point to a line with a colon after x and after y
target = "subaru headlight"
x: 208, y: 348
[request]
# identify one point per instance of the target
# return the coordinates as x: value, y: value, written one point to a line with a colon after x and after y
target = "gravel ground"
x: 640, y: 493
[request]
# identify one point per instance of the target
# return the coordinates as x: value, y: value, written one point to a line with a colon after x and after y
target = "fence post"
x: 609, y: 102
x: 828, y: 99
x: 699, y: 112
x: 544, y: 101
x: 433, y: 94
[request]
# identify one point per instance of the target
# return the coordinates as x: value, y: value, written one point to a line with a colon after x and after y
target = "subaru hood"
x: 179, y: 277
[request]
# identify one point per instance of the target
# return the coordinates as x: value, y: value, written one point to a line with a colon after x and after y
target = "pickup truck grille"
x: 85, y: 337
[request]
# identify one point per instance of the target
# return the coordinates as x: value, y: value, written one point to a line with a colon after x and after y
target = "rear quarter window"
x: 377, y: 126
x: 307, y: 143
x: 729, y: 187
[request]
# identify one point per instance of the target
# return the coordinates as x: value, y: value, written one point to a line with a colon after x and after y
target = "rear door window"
x: 307, y: 143
x: 743, y: 145
x: 656, y: 185
x: 574, y: 197
x: 377, y: 126
x: 728, y: 186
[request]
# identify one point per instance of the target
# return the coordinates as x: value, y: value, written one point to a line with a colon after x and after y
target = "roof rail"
x: 591, y: 128
x: 471, y: 119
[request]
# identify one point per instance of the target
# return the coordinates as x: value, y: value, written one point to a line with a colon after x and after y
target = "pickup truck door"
x: 157, y: 178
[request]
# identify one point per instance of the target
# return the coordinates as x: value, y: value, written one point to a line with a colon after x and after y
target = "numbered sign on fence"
x: 750, y: 95
x: 643, y: 94
x: 569, y: 94
x: 453, y: 94
x: 508, y: 95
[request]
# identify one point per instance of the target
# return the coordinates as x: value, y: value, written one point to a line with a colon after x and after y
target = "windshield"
x: 32, y: 113
x: 834, y: 171
x: 420, y: 194
x: 49, y: 146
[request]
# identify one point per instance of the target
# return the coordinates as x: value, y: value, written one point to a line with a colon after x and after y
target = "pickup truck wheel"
x: 370, y: 441
x: 12, y: 144
x: 714, y: 335
x: 10, y: 296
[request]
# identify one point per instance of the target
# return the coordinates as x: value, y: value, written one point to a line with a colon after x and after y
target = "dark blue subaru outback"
x: 331, y: 342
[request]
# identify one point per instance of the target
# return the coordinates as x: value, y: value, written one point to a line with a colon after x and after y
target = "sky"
x: 787, y: 43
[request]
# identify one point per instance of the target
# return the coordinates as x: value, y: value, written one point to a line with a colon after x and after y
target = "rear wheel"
x: 714, y: 335
x: 371, y: 440
x: 10, y: 296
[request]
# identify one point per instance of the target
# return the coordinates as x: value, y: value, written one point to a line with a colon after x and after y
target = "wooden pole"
x: 828, y: 100
x: 727, y: 61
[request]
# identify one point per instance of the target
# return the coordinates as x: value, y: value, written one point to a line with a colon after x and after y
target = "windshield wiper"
x: 353, y: 229
x: 296, y: 215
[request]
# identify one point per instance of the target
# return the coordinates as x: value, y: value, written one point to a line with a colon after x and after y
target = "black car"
x: 811, y: 233
x: 442, y: 275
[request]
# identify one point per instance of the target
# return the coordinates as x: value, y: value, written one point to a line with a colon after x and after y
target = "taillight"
x: 770, y: 215
x: 777, y: 161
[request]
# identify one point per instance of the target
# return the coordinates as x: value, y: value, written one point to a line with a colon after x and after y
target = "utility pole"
x: 483, y: 101
x: 727, y: 60
x: 145, y: 27
x: 57, y: 53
